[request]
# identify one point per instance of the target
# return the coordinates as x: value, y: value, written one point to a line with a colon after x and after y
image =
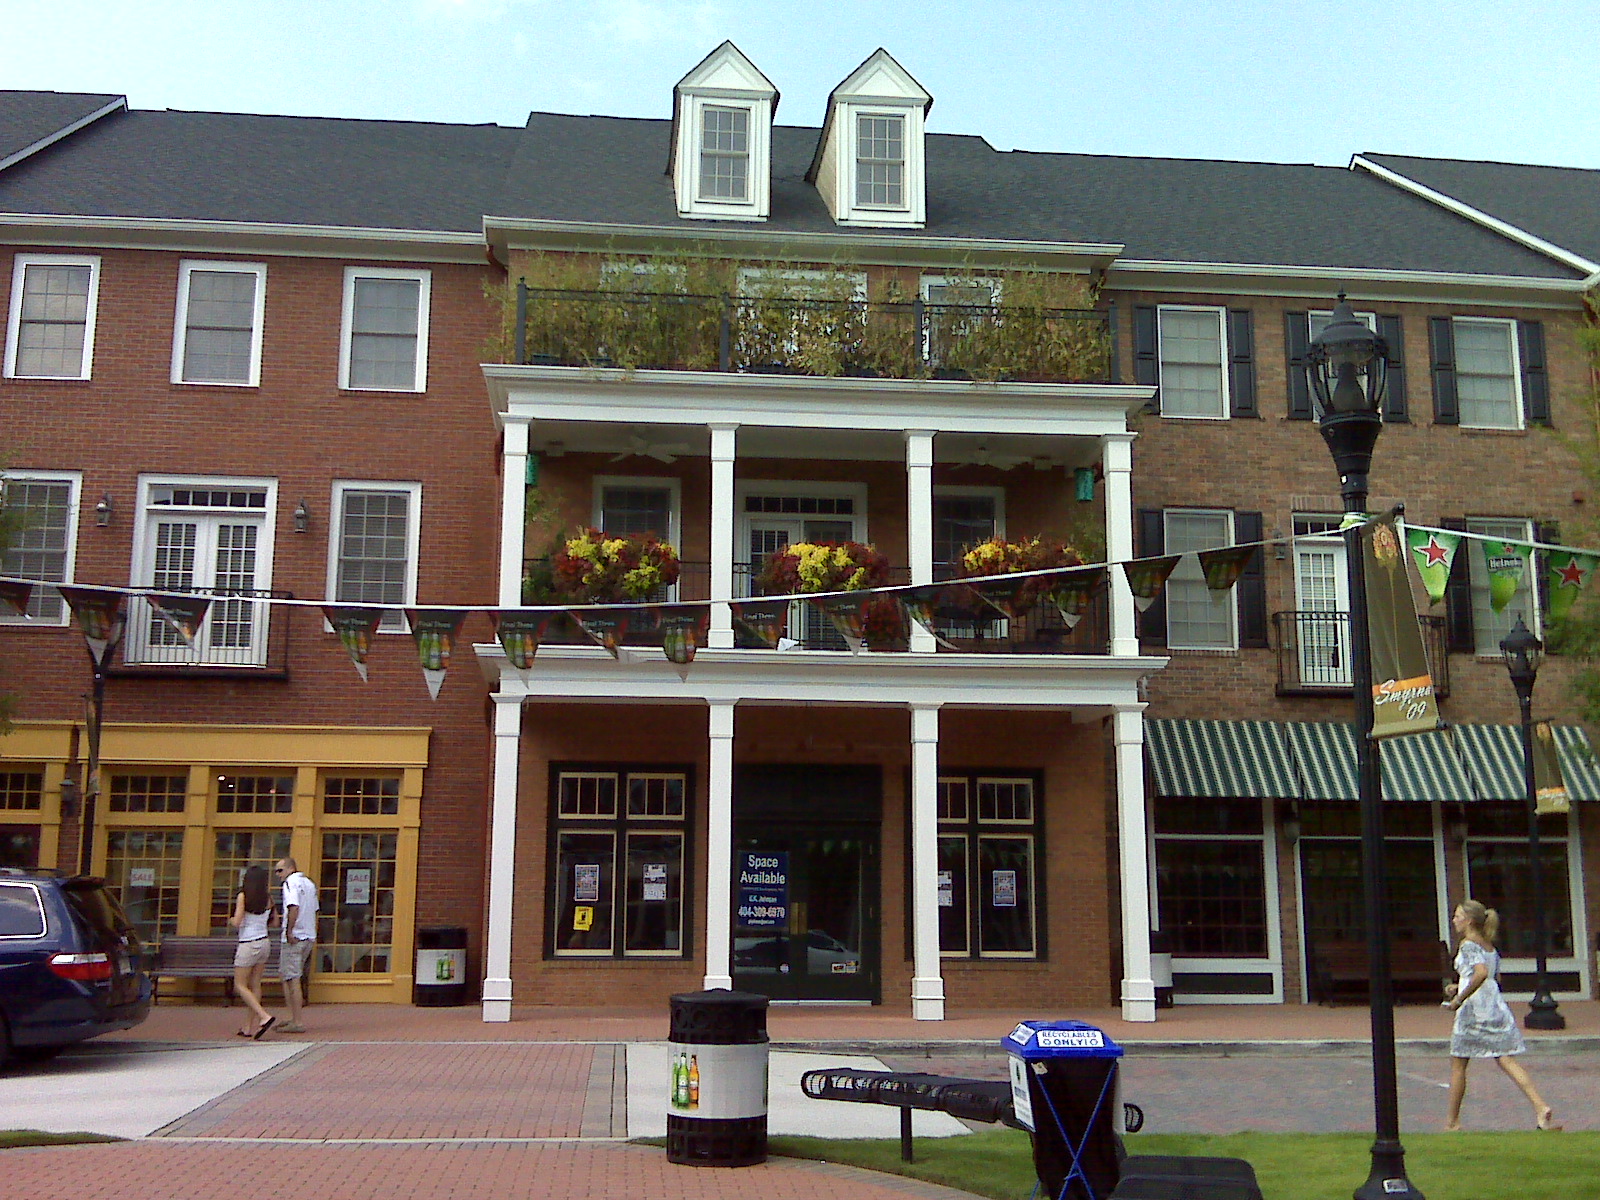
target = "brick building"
x: 742, y: 336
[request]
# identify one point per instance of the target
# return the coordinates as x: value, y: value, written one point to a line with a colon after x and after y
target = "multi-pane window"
x: 1499, y: 866
x: 218, y: 330
x: 619, y: 860
x: 43, y: 513
x: 724, y: 153
x: 1488, y: 626
x: 1487, y: 386
x: 1197, y: 620
x: 628, y: 509
x: 21, y: 791
x: 361, y: 795
x: 375, y: 546
x: 51, y: 332
x: 1211, y: 877
x: 1193, y: 382
x: 988, y: 850
x: 960, y: 522
x: 385, y: 345
x: 144, y: 868
x: 232, y: 851
x: 880, y: 161
x: 255, y: 793
x: 149, y: 793
x: 355, y: 902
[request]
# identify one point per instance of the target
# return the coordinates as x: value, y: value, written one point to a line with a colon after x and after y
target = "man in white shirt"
x: 299, y: 937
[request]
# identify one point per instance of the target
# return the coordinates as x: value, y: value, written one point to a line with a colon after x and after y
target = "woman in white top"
x: 1484, y: 1025
x: 250, y: 910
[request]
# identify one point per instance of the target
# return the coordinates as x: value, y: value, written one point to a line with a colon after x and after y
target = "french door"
x: 1322, y: 600
x: 214, y: 554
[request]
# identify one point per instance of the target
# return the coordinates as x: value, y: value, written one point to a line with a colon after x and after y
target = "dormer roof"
x: 880, y: 85
x: 722, y: 122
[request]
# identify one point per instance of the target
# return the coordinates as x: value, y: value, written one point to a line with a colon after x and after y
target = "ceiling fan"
x: 982, y: 456
x: 640, y: 446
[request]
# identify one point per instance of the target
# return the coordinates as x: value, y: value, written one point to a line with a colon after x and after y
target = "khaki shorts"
x: 296, y: 957
x: 253, y: 954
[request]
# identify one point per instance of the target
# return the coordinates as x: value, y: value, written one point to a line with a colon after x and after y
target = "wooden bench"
x: 1417, y: 970
x: 184, y: 957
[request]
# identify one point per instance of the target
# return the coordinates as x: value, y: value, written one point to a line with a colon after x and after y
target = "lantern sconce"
x: 103, y: 510
x: 302, y: 517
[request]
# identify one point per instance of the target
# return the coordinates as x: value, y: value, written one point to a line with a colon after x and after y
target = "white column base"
x: 496, y: 1001
x: 1138, y: 1000
x: 712, y: 982
x: 927, y: 999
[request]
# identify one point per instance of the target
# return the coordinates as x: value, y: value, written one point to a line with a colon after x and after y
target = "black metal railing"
x: 242, y: 636
x: 779, y: 335
x: 1314, y: 652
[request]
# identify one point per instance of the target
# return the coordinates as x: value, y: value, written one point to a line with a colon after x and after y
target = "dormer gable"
x: 870, y: 165
x: 721, y: 164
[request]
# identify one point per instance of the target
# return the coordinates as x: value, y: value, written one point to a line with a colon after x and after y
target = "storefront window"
x: 232, y: 851
x: 144, y: 868
x: 21, y: 797
x: 355, y: 923
x: 1499, y: 875
x: 988, y: 894
x: 1211, y: 877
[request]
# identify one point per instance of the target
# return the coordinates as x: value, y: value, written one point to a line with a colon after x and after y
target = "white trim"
x: 1510, y: 325
x: 74, y: 482
x: 14, y: 324
x: 998, y: 494
x: 671, y: 484
x: 180, y: 322
x: 1230, y: 601
x: 424, y: 280
x: 32, y: 148
x: 1443, y: 279
x: 393, y: 622
x: 1224, y: 398
x: 758, y: 160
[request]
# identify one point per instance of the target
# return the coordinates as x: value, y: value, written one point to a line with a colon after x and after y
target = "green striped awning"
x: 1493, y: 754
x: 1220, y: 759
x: 1325, y: 756
x: 1416, y: 767
x: 1580, y: 769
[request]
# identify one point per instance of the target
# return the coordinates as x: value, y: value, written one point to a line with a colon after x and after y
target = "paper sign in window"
x: 1005, y: 889
x: 586, y: 883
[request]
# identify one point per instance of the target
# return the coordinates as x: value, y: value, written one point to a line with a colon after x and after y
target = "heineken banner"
x: 182, y: 614
x: 435, y: 634
x: 848, y: 612
x: 1222, y: 568
x: 1072, y: 591
x: 16, y: 595
x: 924, y: 605
x: 1505, y: 562
x: 355, y: 627
x: 1549, y: 789
x: 1402, y: 688
x: 99, y: 614
x: 766, y: 621
x: 1146, y: 577
x: 1568, y: 573
x: 684, y: 628
x: 1432, y: 551
x: 519, y: 632
x: 606, y: 627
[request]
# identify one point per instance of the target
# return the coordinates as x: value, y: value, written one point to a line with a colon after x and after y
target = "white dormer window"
x: 880, y: 161
x: 722, y: 139
x: 869, y: 164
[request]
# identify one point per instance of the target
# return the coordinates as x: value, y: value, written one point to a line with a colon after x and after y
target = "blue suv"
x: 71, y: 964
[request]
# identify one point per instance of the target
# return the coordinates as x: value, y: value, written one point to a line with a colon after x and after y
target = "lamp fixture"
x: 103, y: 510
x: 302, y: 517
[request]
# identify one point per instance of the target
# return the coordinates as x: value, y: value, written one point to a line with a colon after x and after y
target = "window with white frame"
x: 1488, y: 382
x: 1196, y: 619
x: 42, y: 507
x: 989, y: 891
x: 880, y: 160
x: 1488, y: 626
x: 1499, y: 865
x: 1194, y: 381
x: 374, y: 546
x: 51, y: 329
x: 217, y: 334
x: 724, y: 153
x: 1211, y: 876
x: 624, y: 507
x: 384, y: 345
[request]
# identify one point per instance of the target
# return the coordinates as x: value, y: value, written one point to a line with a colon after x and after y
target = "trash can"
x: 717, y: 1089
x: 441, y: 977
x: 1065, y: 1092
x: 1161, y: 967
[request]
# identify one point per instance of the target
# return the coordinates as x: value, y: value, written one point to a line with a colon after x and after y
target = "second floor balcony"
x: 1314, y: 653
x: 243, y: 636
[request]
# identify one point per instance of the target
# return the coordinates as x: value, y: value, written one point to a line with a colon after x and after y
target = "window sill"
x: 359, y: 391
x: 216, y: 383
x: 1490, y: 431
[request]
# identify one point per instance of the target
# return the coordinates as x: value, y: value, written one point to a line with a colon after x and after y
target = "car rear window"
x: 21, y: 911
x: 98, y: 909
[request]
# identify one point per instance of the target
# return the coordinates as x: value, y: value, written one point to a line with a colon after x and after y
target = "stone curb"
x: 1578, y: 1043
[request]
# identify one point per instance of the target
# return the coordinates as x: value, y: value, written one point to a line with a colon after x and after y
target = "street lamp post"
x: 1522, y: 652
x: 1347, y: 365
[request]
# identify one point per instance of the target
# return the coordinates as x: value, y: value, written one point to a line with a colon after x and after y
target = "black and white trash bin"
x: 717, y: 1079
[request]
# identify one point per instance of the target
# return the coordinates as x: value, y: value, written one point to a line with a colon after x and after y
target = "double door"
x: 768, y: 535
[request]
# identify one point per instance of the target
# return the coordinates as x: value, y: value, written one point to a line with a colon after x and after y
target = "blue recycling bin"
x: 1065, y: 1091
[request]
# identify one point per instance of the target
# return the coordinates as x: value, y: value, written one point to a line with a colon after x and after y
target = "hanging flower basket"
x: 822, y: 567
x: 594, y: 568
x: 998, y: 556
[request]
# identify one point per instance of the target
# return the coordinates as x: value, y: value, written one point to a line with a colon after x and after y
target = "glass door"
x: 771, y: 534
x: 1322, y: 597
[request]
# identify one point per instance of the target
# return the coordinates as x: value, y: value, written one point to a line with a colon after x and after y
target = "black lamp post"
x: 1523, y: 652
x: 1347, y: 364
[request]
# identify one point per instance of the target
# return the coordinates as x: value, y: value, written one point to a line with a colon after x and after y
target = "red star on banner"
x: 1571, y: 574
x: 1434, y: 552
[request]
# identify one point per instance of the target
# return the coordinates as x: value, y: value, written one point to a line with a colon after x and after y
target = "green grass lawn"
x: 1289, y: 1166
x: 38, y: 1137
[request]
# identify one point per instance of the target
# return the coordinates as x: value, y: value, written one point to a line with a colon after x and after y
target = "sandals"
x: 265, y: 1025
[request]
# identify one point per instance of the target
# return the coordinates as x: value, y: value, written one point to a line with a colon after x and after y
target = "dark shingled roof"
x: 30, y: 117
x: 1559, y: 204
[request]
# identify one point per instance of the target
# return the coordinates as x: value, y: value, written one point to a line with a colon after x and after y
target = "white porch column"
x: 1138, y: 990
x: 722, y: 527
x: 927, y: 981
x: 502, y: 857
x: 1117, y: 462
x: 919, y: 522
x: 513, y: 511
x: 719, y: 849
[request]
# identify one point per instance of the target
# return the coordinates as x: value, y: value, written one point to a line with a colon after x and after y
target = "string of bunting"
x: 682, y: 628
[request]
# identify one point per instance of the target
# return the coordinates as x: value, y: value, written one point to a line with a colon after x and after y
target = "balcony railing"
x: 242, y: 636
x: 770, y: 335
x: 1314, y: 653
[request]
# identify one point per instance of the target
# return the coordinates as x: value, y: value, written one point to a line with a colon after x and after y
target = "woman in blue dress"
x: 1484, y: 1025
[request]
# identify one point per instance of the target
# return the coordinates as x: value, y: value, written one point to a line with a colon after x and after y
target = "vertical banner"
x: 1505, y: 562
x: 519, y: 631
x: 1072, y: 591
x: 1432, y: 552
x: 435, y: 635
x: 1223, y: 567
x: 1402, y: 687
x: 684, y: 629
x: 355, y: 627
x: 1549, y: 789
x: 99, y: 614
x: 182, y: 614
x: 1147, y: 576
x: 16, y: 594
x: 766, y: 621
x: 1568, y: 573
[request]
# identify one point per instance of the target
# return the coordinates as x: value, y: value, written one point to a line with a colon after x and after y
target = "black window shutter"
x: 1241, y: 363
x: 1152, y: 537
x: 1458, y: 596
x: 1535, y: 382
x: 1252, y: 585
x: 1147, y: 352
x: 1394, y: 403
x: 1442, y: 347
x: 1296, y: 341
x: 1549, y: 533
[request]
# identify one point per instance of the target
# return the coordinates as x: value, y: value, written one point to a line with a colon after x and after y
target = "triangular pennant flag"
x: 182, y: 614
x: 848, y: 612
x: 1146, y: 576
x: 435, y: 634
x: 519, y: 632
x: 1505, y: 562
x: 1012, y: 597
x: 765, y: 621
x: 684, y: 628
x: 1223, y: 567
x: 606, y: 627
x: 1432, y: 551
x: 1569, y: 573
x: 355, y: 626
x: 99, y: 614
x: 1072, y: 591
x: 16, y: 594
x: 884, y: 624
x: 925, y: 605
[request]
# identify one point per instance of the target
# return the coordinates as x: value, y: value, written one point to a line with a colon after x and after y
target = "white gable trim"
x: 121, y: 102
x: 878, y: 87
x: 725, y: 78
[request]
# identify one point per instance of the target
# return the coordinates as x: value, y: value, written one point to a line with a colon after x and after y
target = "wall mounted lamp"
x: 302, y: 517
x: 103, y: 510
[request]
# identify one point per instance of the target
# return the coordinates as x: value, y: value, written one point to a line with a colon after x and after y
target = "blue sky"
x: 1245, y: 79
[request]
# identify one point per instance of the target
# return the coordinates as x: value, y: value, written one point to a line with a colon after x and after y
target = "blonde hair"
x: 1482, y: 918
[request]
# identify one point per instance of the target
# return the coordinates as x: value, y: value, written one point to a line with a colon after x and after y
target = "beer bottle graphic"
x: 694, y: 1081
x: 680, y: 1081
